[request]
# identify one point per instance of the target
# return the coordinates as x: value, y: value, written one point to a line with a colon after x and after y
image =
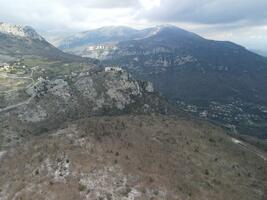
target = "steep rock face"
x: 84, y: 94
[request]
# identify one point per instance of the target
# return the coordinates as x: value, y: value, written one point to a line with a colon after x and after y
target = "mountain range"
x: 78, y: 128
x: 219, y: 80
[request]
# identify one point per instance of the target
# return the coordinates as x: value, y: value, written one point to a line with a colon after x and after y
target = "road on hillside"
x: 250, y: 148
x: 11, y: 107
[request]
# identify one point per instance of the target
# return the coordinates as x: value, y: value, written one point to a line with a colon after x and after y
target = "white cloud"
x: 210, y: 11
x: 149, y: 4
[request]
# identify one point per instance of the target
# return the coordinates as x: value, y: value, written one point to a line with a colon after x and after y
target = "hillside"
x: 133, y: 157
x: 219, y: 80
x: 38, y: 94
x: 75, y: 129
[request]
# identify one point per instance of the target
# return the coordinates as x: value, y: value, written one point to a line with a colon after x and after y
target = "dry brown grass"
x: 133, y: 157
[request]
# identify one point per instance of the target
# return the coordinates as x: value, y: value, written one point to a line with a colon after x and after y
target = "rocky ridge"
x: 88, y: 93
x: 19, y: 31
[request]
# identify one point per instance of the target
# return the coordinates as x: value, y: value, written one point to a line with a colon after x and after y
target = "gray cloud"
x: 102, y: 3
x: 209, y: 11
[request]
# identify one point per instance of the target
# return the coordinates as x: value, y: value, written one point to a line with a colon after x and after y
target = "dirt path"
x: 8, y: 108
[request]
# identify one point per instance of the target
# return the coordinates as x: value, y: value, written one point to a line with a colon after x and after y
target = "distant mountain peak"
x: 168, y: 30
x: 19, y: 31
x: 164, y: 26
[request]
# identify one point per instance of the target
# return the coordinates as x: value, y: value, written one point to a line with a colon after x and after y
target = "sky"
x: 240, y: 21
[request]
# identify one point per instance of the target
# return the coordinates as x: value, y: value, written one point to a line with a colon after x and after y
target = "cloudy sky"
x: 241, y: 21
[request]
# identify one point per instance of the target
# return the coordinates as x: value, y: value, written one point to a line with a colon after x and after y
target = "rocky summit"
x: 19, y: 31
x: 88, y: 93
x: 18, y: 42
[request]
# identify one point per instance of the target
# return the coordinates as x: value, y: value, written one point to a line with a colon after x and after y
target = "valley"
x: 218, y: 79
x: 129, y: 127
